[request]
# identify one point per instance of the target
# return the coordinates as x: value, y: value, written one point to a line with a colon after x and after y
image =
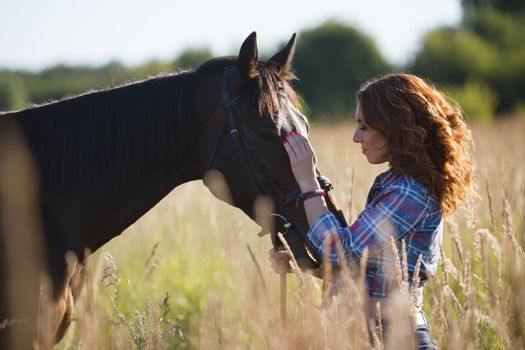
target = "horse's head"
x: 256, y: 107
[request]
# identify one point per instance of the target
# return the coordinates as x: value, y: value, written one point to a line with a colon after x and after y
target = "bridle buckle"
x: 287, y: 224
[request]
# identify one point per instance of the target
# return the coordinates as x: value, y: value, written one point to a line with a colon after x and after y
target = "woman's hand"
x: 280, y: 261
x: 302, y: 160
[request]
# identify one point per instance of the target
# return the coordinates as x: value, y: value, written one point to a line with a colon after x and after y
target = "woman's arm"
x: 302, y: 161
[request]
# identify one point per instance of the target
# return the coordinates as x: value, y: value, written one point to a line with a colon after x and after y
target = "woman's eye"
x: 361, y: 126
x: 267, y: 134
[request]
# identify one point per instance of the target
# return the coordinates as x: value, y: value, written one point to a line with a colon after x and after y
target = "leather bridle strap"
x: 229, y: 103
x: 331, y: 202
x: 243, y: 150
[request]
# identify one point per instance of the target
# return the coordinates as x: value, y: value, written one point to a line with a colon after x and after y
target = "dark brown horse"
x: 104, y: 158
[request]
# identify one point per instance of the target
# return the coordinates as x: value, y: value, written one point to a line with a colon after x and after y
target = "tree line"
x: 480, y: 63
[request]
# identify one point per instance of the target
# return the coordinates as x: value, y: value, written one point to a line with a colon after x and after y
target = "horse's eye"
x: 267, y: 134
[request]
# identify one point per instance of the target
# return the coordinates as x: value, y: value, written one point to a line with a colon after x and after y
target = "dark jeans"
x: 423, y: 336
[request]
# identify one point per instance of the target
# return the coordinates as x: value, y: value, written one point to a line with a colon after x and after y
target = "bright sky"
x: 35, y: 34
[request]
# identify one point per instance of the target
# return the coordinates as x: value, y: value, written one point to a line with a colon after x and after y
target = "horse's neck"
x: 113, y: 168
x: 136, y: 199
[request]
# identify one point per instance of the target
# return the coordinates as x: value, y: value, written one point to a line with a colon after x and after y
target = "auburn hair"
x: 427, y: 137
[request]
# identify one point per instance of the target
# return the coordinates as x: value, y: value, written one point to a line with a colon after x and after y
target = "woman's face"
x: 373, y: 143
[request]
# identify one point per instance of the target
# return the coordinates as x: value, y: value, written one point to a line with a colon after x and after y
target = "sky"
x: 35, y: 34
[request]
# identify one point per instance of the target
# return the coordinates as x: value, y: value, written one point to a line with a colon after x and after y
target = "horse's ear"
x: 282, y: 60
x: 248, y: 56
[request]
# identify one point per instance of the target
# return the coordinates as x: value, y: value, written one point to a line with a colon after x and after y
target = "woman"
x: 405, y: 121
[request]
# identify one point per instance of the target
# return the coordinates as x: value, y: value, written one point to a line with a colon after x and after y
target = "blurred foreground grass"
x: 182, y: 276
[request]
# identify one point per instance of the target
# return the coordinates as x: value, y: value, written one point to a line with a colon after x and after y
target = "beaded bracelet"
x: 311, y: 194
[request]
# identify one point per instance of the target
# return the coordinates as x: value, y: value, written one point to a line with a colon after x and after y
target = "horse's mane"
x: 118, y: 130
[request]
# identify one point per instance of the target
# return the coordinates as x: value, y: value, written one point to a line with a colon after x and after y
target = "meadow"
x: 183, y: 276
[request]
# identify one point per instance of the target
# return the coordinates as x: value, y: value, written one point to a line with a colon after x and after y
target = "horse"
x: 96, y: 162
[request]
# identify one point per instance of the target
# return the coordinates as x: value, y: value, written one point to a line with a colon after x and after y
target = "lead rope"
x: 333, y: 206
x: 283, y: 299
x: 282, y: 275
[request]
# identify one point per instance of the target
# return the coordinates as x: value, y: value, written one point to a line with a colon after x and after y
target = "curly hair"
x: 427, y: 137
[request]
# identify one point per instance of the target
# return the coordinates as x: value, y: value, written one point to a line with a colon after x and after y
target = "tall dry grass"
x: 183, y: 276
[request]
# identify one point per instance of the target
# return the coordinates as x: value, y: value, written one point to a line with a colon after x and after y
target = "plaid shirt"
x: 397, y: 206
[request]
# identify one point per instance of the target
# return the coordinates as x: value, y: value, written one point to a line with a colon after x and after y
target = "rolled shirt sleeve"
x: 394, y: 213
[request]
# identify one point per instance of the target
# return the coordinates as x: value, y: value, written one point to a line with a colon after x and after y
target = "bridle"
x: 248, y: 158
x: 252, y: 163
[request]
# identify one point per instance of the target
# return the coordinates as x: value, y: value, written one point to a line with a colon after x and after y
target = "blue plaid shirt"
x: 397, y: 206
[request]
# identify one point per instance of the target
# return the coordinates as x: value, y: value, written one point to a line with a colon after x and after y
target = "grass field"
x: 182, y: 276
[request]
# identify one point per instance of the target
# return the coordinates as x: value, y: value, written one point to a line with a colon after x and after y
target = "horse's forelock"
x: 271, y: 86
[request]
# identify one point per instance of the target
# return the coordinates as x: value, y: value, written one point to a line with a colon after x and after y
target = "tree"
x: 12, y: 93
x: 505, y: 32
x: 502, y: 23
x: 192, y: 58
x: 452, y: 56
x: 5, y: 95
x: 487, y: 49
x: 502, y: 29
x: 331, y: 62
x: 515, y: 7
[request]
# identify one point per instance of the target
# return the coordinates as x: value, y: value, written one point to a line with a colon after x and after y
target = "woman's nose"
x: 357, y: 136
